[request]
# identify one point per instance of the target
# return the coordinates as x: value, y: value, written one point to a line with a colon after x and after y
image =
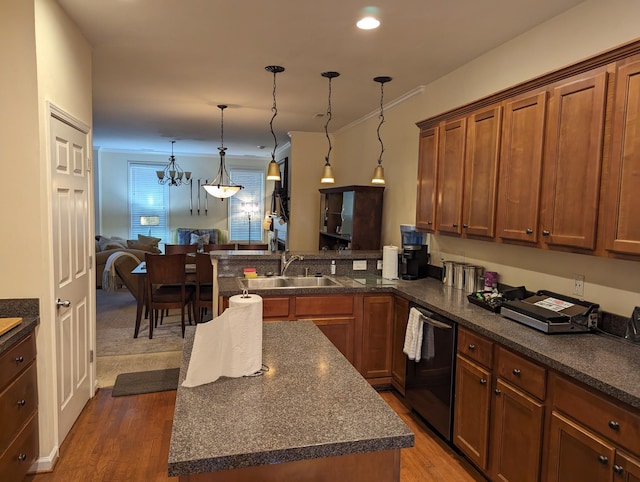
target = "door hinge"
x: 90, y: 262
x: 90, y: 356
x: 89, y: 164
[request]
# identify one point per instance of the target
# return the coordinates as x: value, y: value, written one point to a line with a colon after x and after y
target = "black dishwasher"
x: 430, y: 381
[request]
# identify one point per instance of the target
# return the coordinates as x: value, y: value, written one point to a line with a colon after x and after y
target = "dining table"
x: 141, y: 272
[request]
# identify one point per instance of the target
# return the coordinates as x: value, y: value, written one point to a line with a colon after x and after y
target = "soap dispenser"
x: 333, y: 266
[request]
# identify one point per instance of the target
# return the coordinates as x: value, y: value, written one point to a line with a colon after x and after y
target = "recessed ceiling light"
x: 368, y: 23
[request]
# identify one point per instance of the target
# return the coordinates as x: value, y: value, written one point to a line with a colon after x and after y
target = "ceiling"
x: 160, y: 67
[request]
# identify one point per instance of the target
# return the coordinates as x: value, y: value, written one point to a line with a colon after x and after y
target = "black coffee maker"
x: 414, y: 262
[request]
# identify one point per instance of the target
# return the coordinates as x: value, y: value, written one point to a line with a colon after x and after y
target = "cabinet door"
x: 427, y: 179
x: 481, y: 172
x: 398, y: 358
x: 573, y: 162
x: 450, y: 176
x: 574, y: 453
x: 626, y: 468
x: 623, y: 194
x: 516, y: 446
x: 520, y: 168
x: 377, y: 333
x: 471, y: 416
x: 340, y: 331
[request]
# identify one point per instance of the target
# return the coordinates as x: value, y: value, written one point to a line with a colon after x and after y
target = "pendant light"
x: 173, y: 173
x: 218, y: 187
x: 273, y: 172
x: 327, y: 172
x: 378, y: 173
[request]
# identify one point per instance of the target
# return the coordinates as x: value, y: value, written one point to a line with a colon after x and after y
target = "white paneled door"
x: 71, y: 251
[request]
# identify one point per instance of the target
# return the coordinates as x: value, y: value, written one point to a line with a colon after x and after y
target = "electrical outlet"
x: 360, y: 265
x: 578, y: 284
x: 379, y: 265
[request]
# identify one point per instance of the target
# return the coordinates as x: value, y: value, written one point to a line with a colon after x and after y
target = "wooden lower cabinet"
x: 398, y: 358
x: 626, y: 468
x: 471, y: 412
x: 516, y: 443
x: 377, y: 335
x: 577, y: 454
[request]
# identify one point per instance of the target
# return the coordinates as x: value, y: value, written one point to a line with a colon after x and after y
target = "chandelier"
x: 222, y: 186
x: 378, y: 173
x: 273, y: 172
x: 327, y: 172
x: 173, y: 173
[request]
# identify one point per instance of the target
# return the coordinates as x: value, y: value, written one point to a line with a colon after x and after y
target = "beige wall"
x: 49, y: 61
x: 591, y: 27
x: 113, y: 208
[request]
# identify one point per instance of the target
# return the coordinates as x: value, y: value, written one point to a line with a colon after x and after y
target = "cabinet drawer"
x: 522, y: 373
x: 476, y: 347
x: 17, y: 403
x: 594, y: 411
x: 324, y: 305
x: 22, y: 453
x: 16, y: 359
x: 276, y: 308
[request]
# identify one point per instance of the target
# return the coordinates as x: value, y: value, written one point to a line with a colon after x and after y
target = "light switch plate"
x: 379, y: 265
x: 360, y: 265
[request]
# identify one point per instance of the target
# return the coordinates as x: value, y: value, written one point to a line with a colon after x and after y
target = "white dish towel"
x: 413, y: 336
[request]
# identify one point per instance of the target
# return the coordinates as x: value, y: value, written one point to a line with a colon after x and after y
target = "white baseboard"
x: 45, y: 464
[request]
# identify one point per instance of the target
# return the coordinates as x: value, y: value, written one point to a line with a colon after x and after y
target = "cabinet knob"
x: 22, y: 403
x: 613, y: 425
x: 529, y: 231
x: 465, y: 226
x: 497, y: 391
x: 429, y: 223
x: 545, y: 232
x: 22, y: 457
x: 618, y: 469
x: 455, y: 225
x: 483, y: 381
x: 603, y: 459
x: 19, y: 359
x: 472, y: 346
x: 516, y: 372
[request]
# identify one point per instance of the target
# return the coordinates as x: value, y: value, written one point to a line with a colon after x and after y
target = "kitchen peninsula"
x: 311, y: 416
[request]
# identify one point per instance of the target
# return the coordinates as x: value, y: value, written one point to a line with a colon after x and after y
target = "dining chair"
x: 219, y: 247
x: 262, y: 247
x: 180, y: 248
x: 204, y: 286
x: 166, y: 287
x: 123, y: 266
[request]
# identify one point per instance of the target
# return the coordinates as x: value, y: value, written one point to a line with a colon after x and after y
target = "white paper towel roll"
x: 390, y: 262
x: 230, y: 345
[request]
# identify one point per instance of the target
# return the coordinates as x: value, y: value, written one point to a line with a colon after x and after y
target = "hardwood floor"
x: 127, y: 439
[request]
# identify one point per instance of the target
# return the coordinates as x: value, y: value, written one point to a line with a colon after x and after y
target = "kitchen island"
x: 310, y: 417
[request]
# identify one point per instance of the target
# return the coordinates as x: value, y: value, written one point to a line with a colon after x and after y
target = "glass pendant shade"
x: 273, y: 172
x: 378, y: 175
x: 327, y: 175
x: 222, y: 186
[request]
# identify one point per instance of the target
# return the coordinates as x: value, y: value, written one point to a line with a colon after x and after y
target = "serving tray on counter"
x: 7, y: 323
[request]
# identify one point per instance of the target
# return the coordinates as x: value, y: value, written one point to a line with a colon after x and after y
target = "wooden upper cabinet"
x: 451, y: 176
x: 427, y: 179
x: 573, y: 161
x: 481, y: 172
x: 623, y: 193
x: 520, y: 167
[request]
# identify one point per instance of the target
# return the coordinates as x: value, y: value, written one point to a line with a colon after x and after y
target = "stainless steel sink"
x: 267, y: 283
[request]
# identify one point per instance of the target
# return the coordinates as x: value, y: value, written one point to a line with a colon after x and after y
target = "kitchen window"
x: 148, y: 202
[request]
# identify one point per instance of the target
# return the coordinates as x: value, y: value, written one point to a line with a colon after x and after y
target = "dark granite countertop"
x: 28, y: 309
x: 311, y: 403
x: 603, y: 362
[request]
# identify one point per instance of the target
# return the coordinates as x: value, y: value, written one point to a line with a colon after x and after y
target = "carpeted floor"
x: 118, y: 352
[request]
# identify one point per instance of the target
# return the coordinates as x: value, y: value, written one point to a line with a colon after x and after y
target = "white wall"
x: 45, y: 59
x: 589, y: 28
x: 113, y: 208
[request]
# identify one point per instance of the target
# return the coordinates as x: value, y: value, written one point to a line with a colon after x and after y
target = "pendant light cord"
x: 326, y: 125
x: 274, y: 109
x: 381, y: 117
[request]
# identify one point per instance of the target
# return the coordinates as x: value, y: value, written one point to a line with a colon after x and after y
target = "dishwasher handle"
x: 426, y: 317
